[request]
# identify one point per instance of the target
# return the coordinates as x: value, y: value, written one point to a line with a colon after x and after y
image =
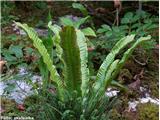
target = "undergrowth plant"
x: 140, y: 23
x: 85, y: 12
x: 74, y: 95
x: 78, y: 21
x: 6, y: 13
x: 16, y: 53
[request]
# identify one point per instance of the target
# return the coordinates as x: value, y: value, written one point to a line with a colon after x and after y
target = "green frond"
x: 109, y: 60
x: 127, y: 54
x: 100, y: 87
x: 37, y: 42
x: 81, y: 40
x: 55, y: 28
x: 71, y: 57
x: 117, y: 84
x: 56, y: 39
x: 111, y: 69
x: 88, y: 32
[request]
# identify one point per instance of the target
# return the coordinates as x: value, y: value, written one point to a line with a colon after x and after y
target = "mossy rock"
x: 148, y: 111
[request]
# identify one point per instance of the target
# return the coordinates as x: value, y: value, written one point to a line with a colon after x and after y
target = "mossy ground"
x: 8, y: 107
x: 147, y: 111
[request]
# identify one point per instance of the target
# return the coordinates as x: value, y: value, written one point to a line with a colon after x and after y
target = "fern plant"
x: 78, y: 97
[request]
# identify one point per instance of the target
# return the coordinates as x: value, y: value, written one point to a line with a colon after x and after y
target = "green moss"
x: 148, y: 111
x: 115, y: 115
x: 151, y: 80
x: 8, y: 105
x: 124, y: 75
x: 151, y: 75
x: 154, y: 89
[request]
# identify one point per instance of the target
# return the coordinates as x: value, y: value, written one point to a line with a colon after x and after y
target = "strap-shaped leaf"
x: 55, y: 28
x: 71, y: 57
x: 101, y: 85
x: 81, y: 40
x: 37, y: 42
x: 126, y: 55
x: 117, y: 84
x: 89, y: 32
x: 56, y: 39
x: 110, y: 58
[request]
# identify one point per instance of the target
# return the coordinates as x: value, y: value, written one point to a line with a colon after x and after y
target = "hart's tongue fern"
x: 76, y: 97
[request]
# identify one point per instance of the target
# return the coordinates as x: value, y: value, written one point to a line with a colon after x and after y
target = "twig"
x: 21, y: 88
x: 117, y: 16
x: 140, y: 63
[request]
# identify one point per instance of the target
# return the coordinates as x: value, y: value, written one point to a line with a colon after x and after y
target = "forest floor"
x: 140, y: 74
